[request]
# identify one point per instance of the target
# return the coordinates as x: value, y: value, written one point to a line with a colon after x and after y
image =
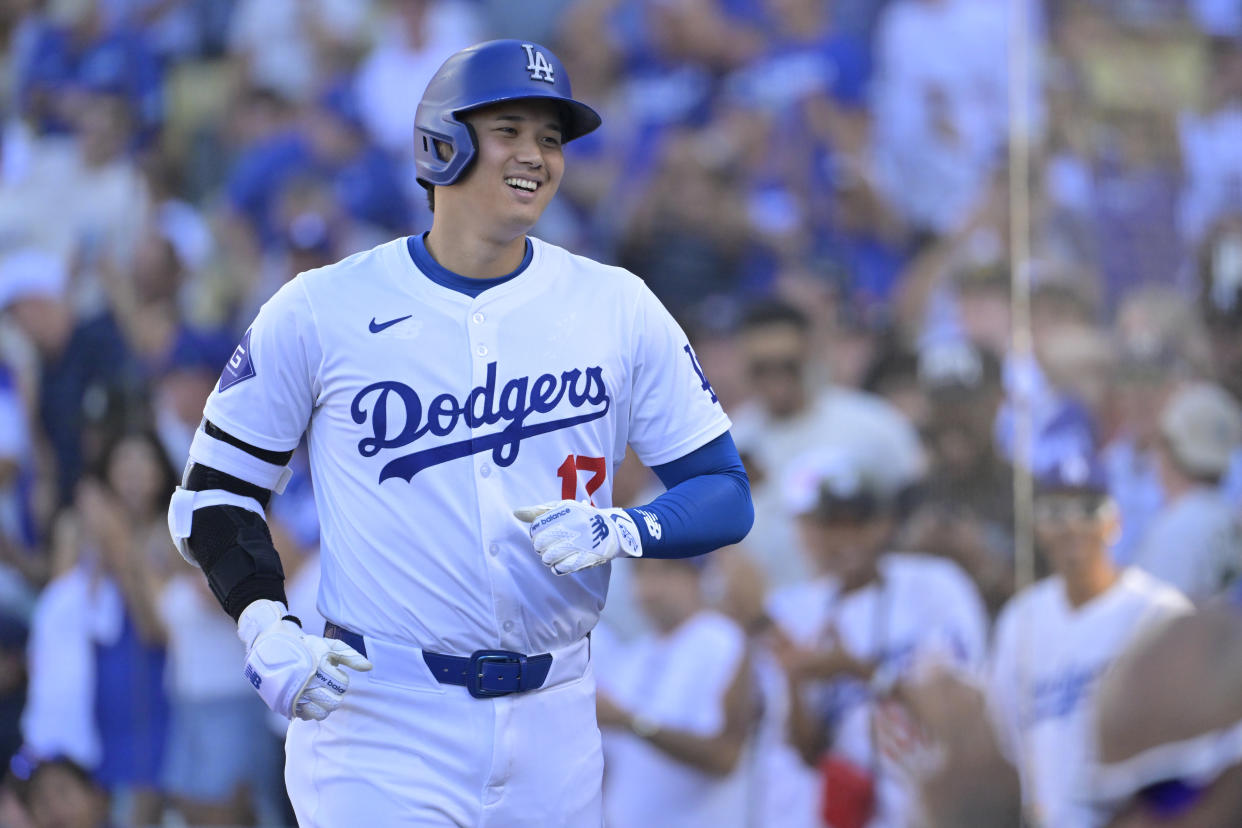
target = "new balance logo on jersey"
x: 599, y: 531
x: 253, y: 676
x: 398, y: 417
x: 538, y: 66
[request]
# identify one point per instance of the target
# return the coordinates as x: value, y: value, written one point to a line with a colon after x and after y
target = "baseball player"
x: 465, y: 394
x: 1054, y: 640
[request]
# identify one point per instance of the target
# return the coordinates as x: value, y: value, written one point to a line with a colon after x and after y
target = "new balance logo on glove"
x: 599, y: 530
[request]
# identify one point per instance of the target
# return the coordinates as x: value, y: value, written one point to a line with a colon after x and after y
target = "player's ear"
x: 443, y: 151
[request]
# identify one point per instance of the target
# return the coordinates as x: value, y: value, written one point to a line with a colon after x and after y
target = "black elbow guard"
x: 235, y: 550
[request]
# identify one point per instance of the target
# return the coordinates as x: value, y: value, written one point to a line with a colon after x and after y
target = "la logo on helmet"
x: 537, y: 64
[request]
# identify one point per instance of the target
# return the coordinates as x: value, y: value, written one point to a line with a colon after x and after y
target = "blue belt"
x: 485, y: 673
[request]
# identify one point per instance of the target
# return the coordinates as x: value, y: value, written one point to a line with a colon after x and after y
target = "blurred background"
x: 965, y: 241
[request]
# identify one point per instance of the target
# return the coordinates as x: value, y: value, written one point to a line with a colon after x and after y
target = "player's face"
x: 518, y: 167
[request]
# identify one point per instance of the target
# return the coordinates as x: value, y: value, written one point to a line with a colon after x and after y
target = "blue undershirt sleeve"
x: 707, y: 504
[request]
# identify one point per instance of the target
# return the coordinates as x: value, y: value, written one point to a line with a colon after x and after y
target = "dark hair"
x: 773, y: 312
x: 79, y: 773
x: 168, y: 474
x: 892, y: 364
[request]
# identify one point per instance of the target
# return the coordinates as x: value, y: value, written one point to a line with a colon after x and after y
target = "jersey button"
x: 485, y: 470
x: 481, y: 350
x: 478, y: 318
x: 494, y: 549
x: 508, y: 626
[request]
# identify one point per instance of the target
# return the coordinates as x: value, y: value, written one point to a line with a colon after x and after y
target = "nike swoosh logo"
x: 377, y: 327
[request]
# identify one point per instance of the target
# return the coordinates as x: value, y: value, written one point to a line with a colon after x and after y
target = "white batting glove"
x: 295, y: 673
x: 571, y: 536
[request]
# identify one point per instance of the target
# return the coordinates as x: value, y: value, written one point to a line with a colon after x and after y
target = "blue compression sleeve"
x: 707, y: 504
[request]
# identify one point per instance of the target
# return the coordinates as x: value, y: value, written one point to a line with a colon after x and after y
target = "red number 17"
x: 568, y: 473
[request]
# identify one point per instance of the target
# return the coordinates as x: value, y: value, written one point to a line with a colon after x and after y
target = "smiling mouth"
x: 523, y: 184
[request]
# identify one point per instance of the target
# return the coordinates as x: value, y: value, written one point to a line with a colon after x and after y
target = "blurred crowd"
x: 821, y: 192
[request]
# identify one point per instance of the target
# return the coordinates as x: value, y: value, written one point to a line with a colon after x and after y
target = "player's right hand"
x: 296, y: 674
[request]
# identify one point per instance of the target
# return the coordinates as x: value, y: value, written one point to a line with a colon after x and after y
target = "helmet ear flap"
x: 433, y: 168
x: 474, y: 151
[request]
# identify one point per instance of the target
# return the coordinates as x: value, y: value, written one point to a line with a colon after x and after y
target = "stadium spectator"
x: 788, y: 413
x: 414, y: 38
x: 1210, y: 141
x: 871, y: 619
x: 1055, y: 639
x: 964, y: 510
x: 80, y: 363
x: 289, y: 46
x: 62, y: 794
x: 676, y: 707
x: 13, y: 638
x: 941, y: 114
x: 1195, y: 542
x: 1220, y: 275
x: 783, y: 791
x: 220, y: 758
x: 1160, y: 340
x: 689, y: 232
x: 16, y: 459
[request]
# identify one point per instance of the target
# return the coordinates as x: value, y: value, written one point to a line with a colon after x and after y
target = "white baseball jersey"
x: 1046, y: 662
x: 922, y: 609
x: 431, y: 415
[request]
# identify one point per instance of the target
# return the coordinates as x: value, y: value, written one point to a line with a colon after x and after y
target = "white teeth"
x: 522, y: 183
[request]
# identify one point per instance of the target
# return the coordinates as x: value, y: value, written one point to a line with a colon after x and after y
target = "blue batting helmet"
x: 483, y: 74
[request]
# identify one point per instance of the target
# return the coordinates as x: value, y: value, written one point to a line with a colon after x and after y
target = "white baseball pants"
x: 405, y: 751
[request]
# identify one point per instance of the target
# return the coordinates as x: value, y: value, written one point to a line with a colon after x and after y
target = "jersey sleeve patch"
x: 240, y: 367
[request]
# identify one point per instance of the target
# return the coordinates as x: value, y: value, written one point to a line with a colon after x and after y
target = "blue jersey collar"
x: 444, y: 277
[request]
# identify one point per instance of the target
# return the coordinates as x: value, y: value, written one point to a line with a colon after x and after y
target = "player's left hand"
x: 570, y: 536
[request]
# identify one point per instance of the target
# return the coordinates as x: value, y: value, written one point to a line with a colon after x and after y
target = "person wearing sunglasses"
x: 1055, y: 639
x: 1169, y: 726
x: 792, y: 409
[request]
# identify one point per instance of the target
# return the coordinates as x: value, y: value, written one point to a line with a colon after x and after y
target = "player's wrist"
x: 629, y: 539
x: 257, y: 617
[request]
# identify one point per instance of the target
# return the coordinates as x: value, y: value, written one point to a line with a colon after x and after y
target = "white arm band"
x: 208, y: 451
x: 183, y: 504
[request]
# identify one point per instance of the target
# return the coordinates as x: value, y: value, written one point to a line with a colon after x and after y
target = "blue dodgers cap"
x: 1074, y: 473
